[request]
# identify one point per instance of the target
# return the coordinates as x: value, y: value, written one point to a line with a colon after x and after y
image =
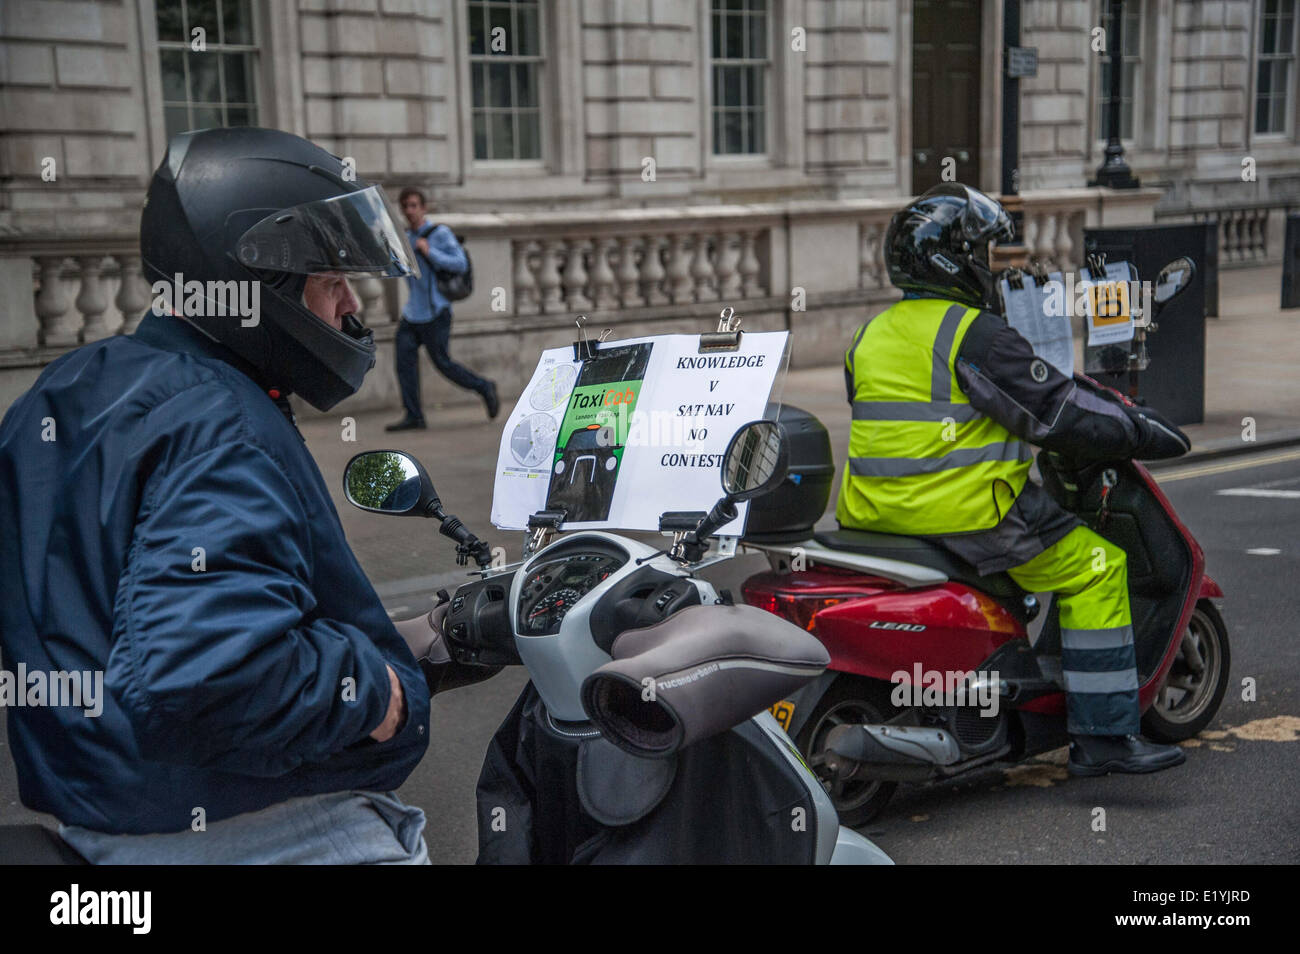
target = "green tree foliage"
x: 373, y: 477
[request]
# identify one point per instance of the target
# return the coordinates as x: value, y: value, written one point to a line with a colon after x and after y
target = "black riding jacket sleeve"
x: 1003, y: 378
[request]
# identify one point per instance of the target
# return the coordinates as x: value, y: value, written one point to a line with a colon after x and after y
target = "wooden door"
x: 945, y: 92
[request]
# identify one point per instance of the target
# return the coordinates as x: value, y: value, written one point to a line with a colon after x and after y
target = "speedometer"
x: 548, y: 612
x: 555, y: 585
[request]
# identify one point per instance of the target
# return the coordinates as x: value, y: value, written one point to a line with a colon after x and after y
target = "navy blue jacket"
x: 227, y: 688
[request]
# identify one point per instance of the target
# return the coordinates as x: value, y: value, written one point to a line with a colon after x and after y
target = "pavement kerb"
x: 1227, y: 447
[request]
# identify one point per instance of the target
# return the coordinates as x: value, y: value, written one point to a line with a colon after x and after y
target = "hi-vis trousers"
x: 1089, y: 577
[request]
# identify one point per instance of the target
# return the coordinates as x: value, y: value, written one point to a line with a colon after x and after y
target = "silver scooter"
x: 694, y: 780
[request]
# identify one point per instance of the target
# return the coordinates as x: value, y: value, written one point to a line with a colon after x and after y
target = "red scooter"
x: 933, y: 670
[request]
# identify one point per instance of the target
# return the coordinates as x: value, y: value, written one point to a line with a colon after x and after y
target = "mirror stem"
x: 697, y: 541
x: 467, y: 544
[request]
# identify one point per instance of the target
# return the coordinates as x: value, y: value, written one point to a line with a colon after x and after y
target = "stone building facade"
x: 644, y: 162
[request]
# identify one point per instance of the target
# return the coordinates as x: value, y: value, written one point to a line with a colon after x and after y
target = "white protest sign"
x: 638, y: 430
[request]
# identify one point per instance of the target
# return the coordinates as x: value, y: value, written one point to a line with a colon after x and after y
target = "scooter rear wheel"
x: 1196, y: 682
x: 850, y: 700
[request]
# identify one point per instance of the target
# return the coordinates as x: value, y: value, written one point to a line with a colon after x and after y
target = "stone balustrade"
x: 1053, y: 230
x: 604, y: 272
x: 815, y: 267
x: 614, y: 261
x: 1248, y: 234
x: 74, y: 296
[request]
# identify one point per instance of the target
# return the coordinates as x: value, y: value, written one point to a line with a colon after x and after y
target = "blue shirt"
x: 445, y: 254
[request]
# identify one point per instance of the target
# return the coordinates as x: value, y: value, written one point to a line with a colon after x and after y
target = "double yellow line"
x: 1242, y: 463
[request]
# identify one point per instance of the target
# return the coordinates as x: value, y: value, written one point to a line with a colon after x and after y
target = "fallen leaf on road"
x: 1056, y: 756
x: 1277, y: 729
x: 1039, y: 775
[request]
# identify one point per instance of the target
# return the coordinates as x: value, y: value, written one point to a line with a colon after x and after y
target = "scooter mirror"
x: 1174, y: 279
x: 388, y: 482
x: 756, y: 460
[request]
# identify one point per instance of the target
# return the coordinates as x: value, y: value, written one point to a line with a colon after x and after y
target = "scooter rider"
x: 946, y: 400
x: 167, y: 527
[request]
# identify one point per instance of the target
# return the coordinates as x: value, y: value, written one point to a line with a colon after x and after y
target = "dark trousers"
x: 435, y: 336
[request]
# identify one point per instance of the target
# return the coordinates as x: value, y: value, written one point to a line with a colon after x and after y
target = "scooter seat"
x: 923, y: 552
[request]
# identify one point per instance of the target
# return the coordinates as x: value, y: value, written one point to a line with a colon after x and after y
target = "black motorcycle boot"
x: 1123, y: 754
x: 490, y: 398
x: 407, y: 424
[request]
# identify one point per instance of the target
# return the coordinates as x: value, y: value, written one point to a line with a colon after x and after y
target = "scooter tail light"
x: 800, y: 610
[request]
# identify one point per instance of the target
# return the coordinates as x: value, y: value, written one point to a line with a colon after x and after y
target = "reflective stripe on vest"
x: 921, y: 459
x: 1012, y: 450
x: 913, y: 411
x: 940, y: 374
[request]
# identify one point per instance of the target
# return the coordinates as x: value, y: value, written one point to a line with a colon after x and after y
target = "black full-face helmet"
x: 938, y: 246
x: 260, y: 205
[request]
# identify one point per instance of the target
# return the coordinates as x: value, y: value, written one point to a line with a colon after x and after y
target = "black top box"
x: 788, y: 513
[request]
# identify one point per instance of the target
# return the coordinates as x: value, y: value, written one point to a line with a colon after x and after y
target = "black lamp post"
x: 1114, y: 171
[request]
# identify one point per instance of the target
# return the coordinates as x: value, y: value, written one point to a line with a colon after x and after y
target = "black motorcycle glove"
x: 1158, y: 437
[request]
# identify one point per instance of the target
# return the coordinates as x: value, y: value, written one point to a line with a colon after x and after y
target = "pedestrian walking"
x: 426, y: 319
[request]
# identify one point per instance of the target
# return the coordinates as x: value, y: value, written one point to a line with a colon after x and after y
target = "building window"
x: 505, y: 63
x: 1276, y: 65
x: 741, y: 63
x: 214, y: 84
x: 1132, y: 40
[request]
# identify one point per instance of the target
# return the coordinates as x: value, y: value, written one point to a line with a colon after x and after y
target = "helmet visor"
x: 352, y: 234
x: 984, y: 218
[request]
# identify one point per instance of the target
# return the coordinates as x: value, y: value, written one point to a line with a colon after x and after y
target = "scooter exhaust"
x: 892, y: 753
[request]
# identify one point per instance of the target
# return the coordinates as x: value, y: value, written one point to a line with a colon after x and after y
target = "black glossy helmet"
x: 247, y: 204
x: 938, y: 246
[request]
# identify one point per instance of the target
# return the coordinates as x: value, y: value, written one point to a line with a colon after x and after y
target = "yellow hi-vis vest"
x: 921, y: 459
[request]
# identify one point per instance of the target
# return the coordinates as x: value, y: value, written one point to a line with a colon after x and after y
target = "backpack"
x: 451, y: 286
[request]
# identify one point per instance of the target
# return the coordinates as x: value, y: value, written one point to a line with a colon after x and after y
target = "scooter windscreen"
x: 702, y: 671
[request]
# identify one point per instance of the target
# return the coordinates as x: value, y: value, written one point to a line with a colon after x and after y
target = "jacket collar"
x: 171, y: 333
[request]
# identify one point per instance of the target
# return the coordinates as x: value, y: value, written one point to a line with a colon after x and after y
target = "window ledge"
x: 741, y: 164
x: 508, y: 167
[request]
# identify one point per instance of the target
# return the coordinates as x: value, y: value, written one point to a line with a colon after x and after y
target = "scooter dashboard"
x: 553, y: 587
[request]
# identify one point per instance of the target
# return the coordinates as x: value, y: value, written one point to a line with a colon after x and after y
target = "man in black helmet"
x: 946, y: 398
x: 167, y: 528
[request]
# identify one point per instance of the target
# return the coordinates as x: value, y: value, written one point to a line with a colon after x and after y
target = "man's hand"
x: 424, y: 636
x: 422, y: 246
x: 396, y: 710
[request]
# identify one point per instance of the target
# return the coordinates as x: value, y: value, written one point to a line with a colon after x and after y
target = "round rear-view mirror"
x: 1174, y: 279
x: 756, y: 460
x: 387, y: 482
